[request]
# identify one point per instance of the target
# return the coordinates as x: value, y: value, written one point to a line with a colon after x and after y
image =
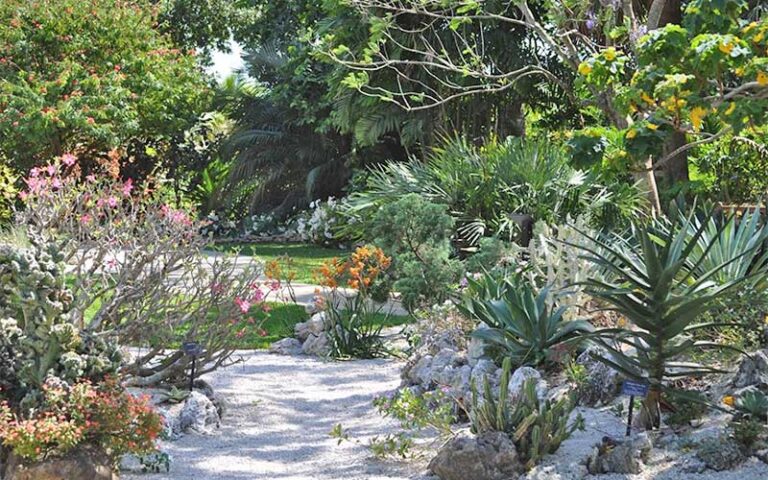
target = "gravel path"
x: 280, y: 412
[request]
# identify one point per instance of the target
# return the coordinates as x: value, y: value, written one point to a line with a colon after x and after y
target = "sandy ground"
x: 280, y: 412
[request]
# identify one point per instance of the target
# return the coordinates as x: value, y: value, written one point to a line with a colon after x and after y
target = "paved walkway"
x: 280, y: 412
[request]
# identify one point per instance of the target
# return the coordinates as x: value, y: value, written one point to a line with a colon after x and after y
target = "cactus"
x: 536, y: 427
x: 38, y: 342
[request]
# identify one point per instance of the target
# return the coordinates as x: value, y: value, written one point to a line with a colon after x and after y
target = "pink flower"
x: 217, y: 288
x: 274, y: 286
x: 240, y: 334
x: 85, y: 219
x: 243, y: 305
x: 112, y: 202
x: 258, y: 294
x: 56, y: 183
x: 34, y: 172
x: 69, y: 159
x: 23, y: 195
x: 91, y: 178
x: 34, y: 184
x: 51, y: 169
x: 90, y: 120
x: 127, y: 187
x: 263, y: 333
x: 266, y: 308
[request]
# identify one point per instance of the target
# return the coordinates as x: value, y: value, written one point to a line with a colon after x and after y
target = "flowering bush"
x: 215, y: 226
x: 317, y: 224
x: 137, y: 271
x: 83, y: 413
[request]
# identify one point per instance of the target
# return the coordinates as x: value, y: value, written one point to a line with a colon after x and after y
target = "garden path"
x: 279, y: 415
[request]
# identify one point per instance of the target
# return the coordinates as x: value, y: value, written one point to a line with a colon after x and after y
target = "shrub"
x: 8, y: 192
x: 318, y: 223
x: 522, y: 325
x: 417, y: 235
x: 81, y: 413
x: 536, y: 427
x: 137, y: 270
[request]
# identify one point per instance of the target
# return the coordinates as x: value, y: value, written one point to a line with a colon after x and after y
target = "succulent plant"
x: 536, y: 427
x: 38, y: 342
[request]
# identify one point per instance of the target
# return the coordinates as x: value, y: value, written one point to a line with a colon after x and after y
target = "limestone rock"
x: 477, y: 348
x: 613, y: 456
x: 314, y: 326
x: 199, y: 414
x: 317, y: 345
x: 753, y: 371
x: 518, y: 380
x: 489, y: 456
x: 82, y: 464
x: 286, y: 346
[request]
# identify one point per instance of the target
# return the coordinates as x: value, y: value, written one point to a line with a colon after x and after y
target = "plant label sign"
x: 634, y: 389
x: 193, y: 349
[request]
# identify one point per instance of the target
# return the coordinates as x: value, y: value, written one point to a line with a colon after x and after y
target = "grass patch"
x: 284, y: 316
x: 307, y: 258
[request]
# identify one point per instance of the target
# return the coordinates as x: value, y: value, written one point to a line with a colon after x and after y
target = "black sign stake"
x: 629, y: 415
x: 194, y: 350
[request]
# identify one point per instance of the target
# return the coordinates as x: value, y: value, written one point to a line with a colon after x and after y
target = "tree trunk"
x: 676, y: 170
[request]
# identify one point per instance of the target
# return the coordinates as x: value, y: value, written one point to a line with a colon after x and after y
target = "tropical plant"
x: 484, y: 188
x: 522, y: 324
x: 655, y: 280
x: 537, y: 427
x: 8, y: 191
x: 351, y: 329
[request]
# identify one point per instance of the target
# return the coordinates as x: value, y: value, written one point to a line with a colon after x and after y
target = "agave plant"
x: 522, y: 323
x: 660, y: 277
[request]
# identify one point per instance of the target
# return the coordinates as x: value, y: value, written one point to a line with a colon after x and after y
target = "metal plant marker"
x: 633, y: 389
x: 194, y: 350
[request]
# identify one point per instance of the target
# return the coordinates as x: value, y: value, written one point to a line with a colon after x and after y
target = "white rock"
x: 317, y: 345
x: 286, y: 346
x: 314, y: 326
x: 199, y: 414
x: 520, y: 376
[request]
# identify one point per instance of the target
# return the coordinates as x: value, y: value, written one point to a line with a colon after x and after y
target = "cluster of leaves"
x: 88, y: 76
x: 82, y: 413
x: 8, y: 191
x: 416, y: 233
x: 522, y: 325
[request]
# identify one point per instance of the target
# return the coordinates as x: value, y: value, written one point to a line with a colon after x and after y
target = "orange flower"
x: 729, y: 400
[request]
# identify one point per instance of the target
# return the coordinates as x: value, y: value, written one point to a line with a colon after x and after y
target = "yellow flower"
x: 749, y: 27
x: 585, y: 68
x: 646, y: 98
x: 726, y: 47
x: 653, y: 126
x: 632, y: 133
x: 729, y: 111
x: 621, y: 322
x: 762, y: 78
x: 759, y: 37
x: 729, y: 400
x: 739, y: 71
x: 610, y: 54
x: 697, y: 117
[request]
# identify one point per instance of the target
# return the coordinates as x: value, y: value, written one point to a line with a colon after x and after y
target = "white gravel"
x: 282, y: 408
x: 280, y: 412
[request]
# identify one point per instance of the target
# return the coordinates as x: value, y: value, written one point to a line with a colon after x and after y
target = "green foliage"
x: 8, y: 191
x: 484, y: 187
x: 89, y: 76
x: 353, y: 331
x: 536, y: 427
x: 522, y: 324
x: 752, y: 403
x: 416, y: 232
x: 655, y: 281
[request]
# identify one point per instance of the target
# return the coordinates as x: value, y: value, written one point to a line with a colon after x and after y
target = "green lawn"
x: 284, y: 316
x: 306, y: 258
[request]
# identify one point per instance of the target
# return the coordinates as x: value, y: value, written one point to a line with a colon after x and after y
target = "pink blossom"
x: 127, y: 187
x: 91, y: 178
x: 217, y: 288
x: 258, y: 294
x: 85, y: 219
x: 243, y: 305
x: 51, y: 169
x: 111, y: 263
x: 275, y: 285
x: 34, y: 184
x: 266, y: 308
x: 34, y: 172
x: 240, y: 334
x: 23, y: 195
x: 263, y: 333
x: 56, y: 183
x: 69, y: 159
x: 112, y: 202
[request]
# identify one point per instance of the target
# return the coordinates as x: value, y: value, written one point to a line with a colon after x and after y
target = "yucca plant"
x: 660, y: 277
x: 522, y: 324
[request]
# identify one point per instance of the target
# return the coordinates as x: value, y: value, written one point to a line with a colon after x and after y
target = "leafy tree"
x: 86, y: 77
x: 206, y: 24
